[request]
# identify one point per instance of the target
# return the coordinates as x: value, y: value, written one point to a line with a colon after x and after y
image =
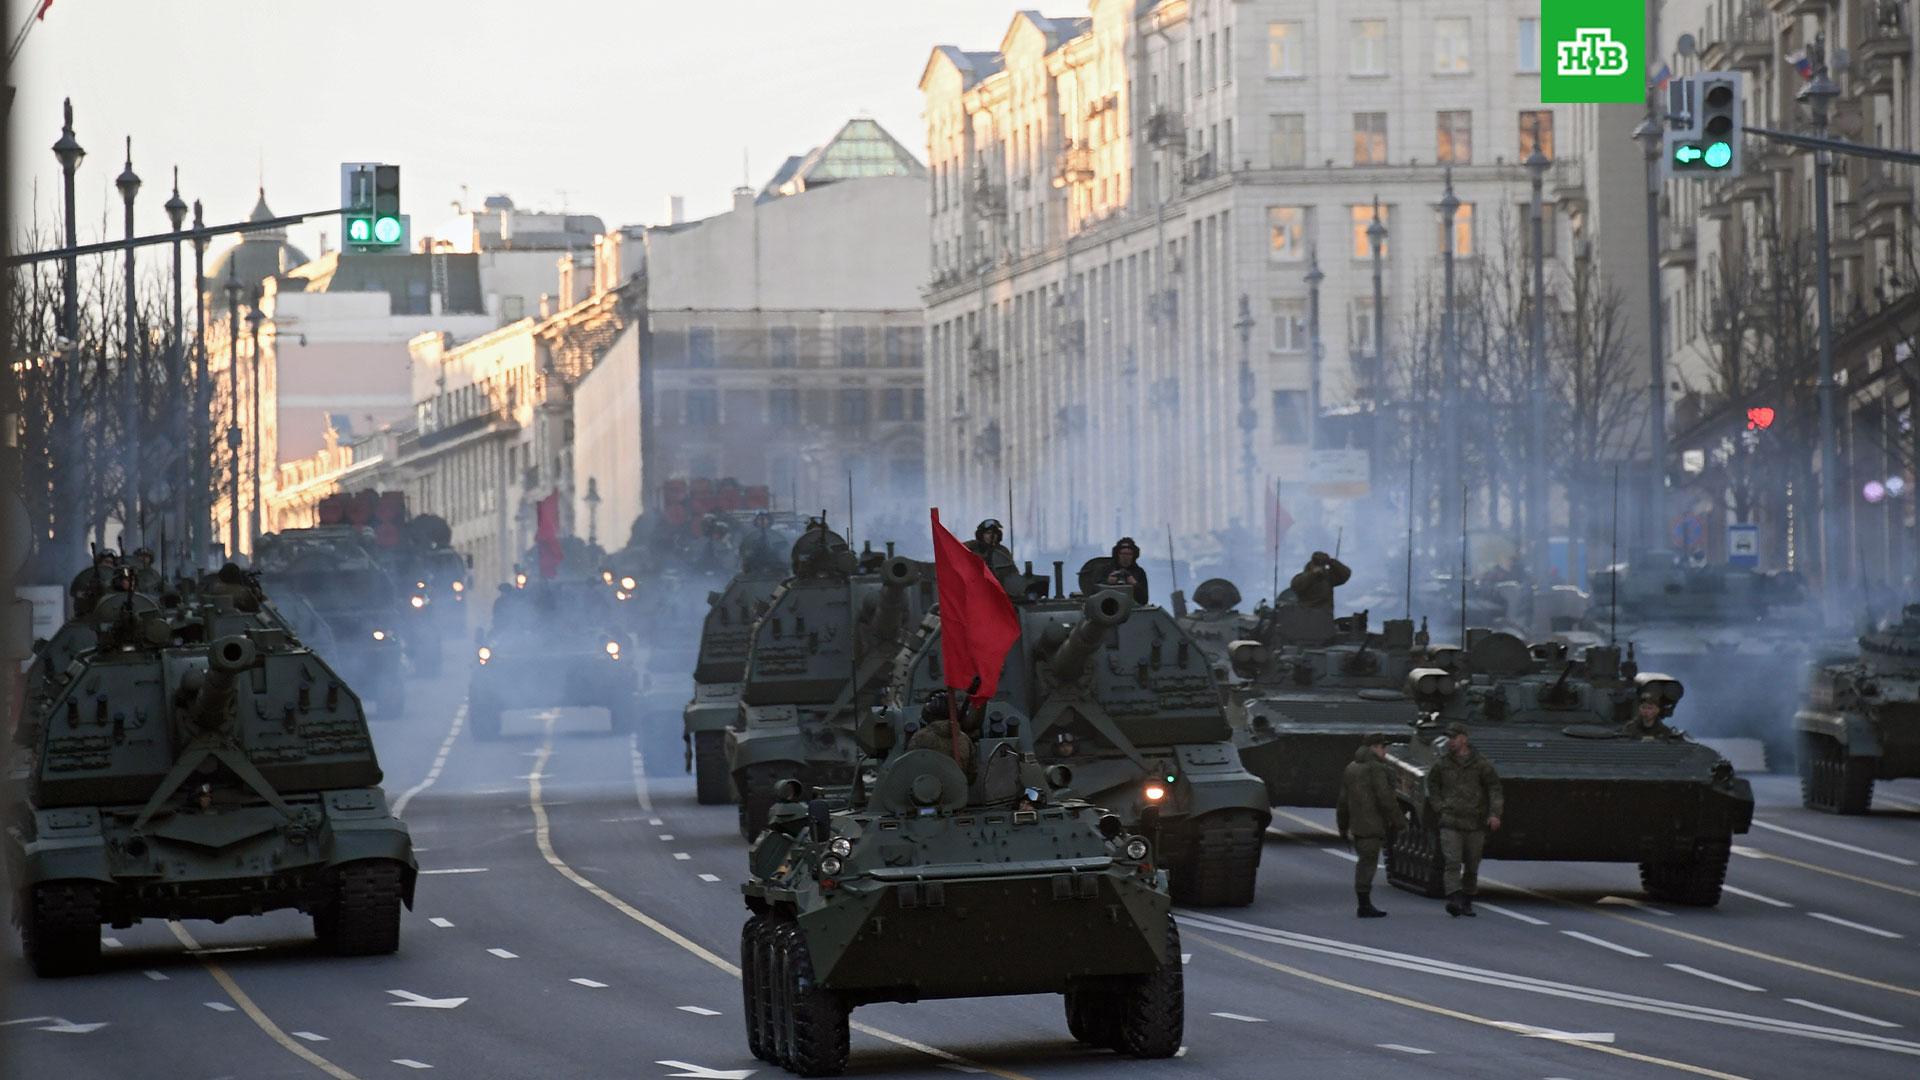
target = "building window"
x: 1526, y: 47
x: 700, y: 347
x: 1290, y: 420
x: 903, y: 346
x: 1453, y: 136
x: 1362, y: 218
x: 1369, y: 46
x: 1462, y: 230
x: 853, y: 346
x: 1290, y: 329
x: 1536, y: 129
x: 1547, y: 229
x: 1287, y: 143
x: 1370, y: 138
x: 783, y: 346
x: 1360, y: 327
x: 919, y: 404
x: 1286, y: 46
x: 783, y: 405
x: 703, y: 408
x: 893, y: 404
x: 853, y: 408
x: 1452, y: 46
x: 1287, y: 229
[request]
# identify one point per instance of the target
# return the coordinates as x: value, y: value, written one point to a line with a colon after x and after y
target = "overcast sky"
x: 598, y: 106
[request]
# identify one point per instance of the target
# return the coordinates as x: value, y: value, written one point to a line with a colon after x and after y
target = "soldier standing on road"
x: 1368, y: 813
x: 1313, y: 586
x: 1466, y: 791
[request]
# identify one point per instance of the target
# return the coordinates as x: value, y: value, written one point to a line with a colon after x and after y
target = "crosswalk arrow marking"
x: 55, y: 1024
x: 421, y: 1001
x: 701, y: 1072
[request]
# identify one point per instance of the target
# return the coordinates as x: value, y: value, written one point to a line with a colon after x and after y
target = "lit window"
x: 1370, y: 46
x: 1286, y: 45
x: 1370, y: 138
x: 1453, y: 136
x: 1362, y: 218
x: 1287, y: 231
x: 1462, y: 230
x: 1536, y: 129
x: 1452, y: 47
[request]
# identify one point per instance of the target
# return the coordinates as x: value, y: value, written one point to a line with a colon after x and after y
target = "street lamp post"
x: 1248, y: 419
x: 129, y: 184
x: 1314, y: 278
x: 200, y: 449
x: 1648, y: 134
x: 1537, y: 165
x: 592, y: 499
x: 174, y: 401
x: 1450, y: 523
x: 233, y: 412
x: 68, y: 474
x: 254, y: 319
x: 1818, y: 94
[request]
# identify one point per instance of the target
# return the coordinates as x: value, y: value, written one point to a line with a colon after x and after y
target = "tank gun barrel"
x: 896, y: 575
x: 228, y: 657
x: 1104, y: 610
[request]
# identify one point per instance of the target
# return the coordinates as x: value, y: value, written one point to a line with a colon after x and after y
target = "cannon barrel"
x: 1104, y: 611
x: 890, y: 609
x: 226, y: 659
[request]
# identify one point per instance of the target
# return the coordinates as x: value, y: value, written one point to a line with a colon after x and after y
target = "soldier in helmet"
x: 1313, y: 586
x: 91, y: 584
x: 760, y: 549
x: 938, y: 717
x: 1649, y: 718
x: 146, y: 575
x: 1369, y: 815
x: 1125, y: 572
x: 988, y: 543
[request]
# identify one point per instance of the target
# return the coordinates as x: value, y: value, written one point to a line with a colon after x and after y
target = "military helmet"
x: 1125, y: 542
x: 990, y: 525
x: 1216, y: 594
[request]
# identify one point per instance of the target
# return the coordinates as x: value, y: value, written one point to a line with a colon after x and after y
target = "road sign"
x: 1743, y: 546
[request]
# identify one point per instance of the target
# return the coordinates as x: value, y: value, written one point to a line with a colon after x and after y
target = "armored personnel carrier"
x: 199, y: 763
x: 817, y: 659
x: 1579, y: 785
x: 722, y: 664
x: 553, y: 643
x: 1124, y: 697
x: 929, y: 885
x: 333, y: 571
x: 1861, y: 719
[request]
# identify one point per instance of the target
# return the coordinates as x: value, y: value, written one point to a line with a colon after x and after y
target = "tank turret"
x: 1102, y: 612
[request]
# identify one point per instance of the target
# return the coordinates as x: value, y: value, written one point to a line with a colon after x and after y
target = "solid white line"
x: 697, y: 1010
x: 682, y: 856
x: 709, y: 878
x: 1498, y: 910
x: 458, y: 870
x: 444, y: 924
x: 1402, y: 1049
x: 1755, y: 897
x: 961, y: 1068
x: 640, y: 792
x: 1830, y: 1010
x: 1851, y: 925
x: 504, y: 954
x: 1721, y: 979
x: 1868, y: 852
x: 309, y: 1036
x: 1604, y: 943
x: 157, y: 976
x: 1237, y: 1016
x: 589, y: 984
x: 439, y: 761
x: 411, y: 1064
x: 218, y: 1006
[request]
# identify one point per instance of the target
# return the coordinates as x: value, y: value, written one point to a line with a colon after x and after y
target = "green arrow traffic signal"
x: 360, y: 230
x: 1687, y: 155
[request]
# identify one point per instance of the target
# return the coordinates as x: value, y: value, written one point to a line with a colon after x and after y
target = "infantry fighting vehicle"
x: 1218, y: 623
x: 1123, y: 696
x: 1861, y: 720
x: 819, y: 658
x: 553, y: 643
x: 722, y: 664
x: 929, y: 885
x: 333, y: 570
x: 200, y: 763
x: 1578, y: 787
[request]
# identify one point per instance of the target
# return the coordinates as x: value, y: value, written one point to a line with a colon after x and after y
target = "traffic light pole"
x: 74, y: 251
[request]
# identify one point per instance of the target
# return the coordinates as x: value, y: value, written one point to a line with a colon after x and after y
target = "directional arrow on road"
x: 55, y: 1024
x: 701, y: 1072
x: 1532, y: 1032
x: 419, y: 1001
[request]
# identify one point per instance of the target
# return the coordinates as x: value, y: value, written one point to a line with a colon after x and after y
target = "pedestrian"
x: 1465, y: 790
x: 1369, y: 815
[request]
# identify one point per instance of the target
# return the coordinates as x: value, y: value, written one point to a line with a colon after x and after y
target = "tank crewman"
x: 760, y: 549
x: 1369, y: 815
x: 1649, y: 720
x: 937, y: 730
x: 1465, y: 789
x: 989, y: 543
x: 231, y: 581
x: 146, y: 575
x: 1313, y: 586
x: 91, y: 584
x: 1126, y: 571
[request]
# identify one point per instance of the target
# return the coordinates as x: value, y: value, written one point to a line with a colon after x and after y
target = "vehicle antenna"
x: 1173, y: 569
x: 1009, y: 528
x: 1409, y: 535
x: 849, y: 509
x: 1613, y: 569
x: 1276, y: 540
x: 1463, y: 565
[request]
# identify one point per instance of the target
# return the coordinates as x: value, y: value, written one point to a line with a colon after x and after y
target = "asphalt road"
x: 578, y: 917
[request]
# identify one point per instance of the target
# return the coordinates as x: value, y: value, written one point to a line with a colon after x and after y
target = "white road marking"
x: 218, y: 1006
x: 1509, y: 913
x: 1747, y: 852
x: 309, y: 1036
x: 960, y: 1068
x: 1237, y: 1016
x: 157, y: 976
x: 1532, y: 1032
x: 701, y: 1072
x: 589, y: 984
x: 411, y: 1064
x: 110, y: 942
x: 709, y: 878
x: 421, y: 1001
x: 1809, y: 837
x: 444, y: 924
x: 697, y: 1010
x: 1721, y: 979
x: 1340, y: 854
x: 1851, y: 925
x: 1639, y: 905
x: 1398, y: 1048
x: 504, y: 954
x: 439, y: 762
x: 58, y: 1025
x: 1186, y: 958
x: 666, y: 836
x: 682, y: 856
x: 640, y: 792
x: 655, y: 821
x: 1831, y: 1011
x: 458, y: 870
x: 1604, y: 943
x: 1755, y: 897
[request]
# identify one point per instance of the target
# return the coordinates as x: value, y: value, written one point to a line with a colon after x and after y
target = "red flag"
x: 42, y: 14
x: 547, y: 536
x: 977, y: 623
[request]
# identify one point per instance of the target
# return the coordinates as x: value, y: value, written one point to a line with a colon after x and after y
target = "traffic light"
x: 1704, y: 140
x: 386, y: 205
x: 370, y: 194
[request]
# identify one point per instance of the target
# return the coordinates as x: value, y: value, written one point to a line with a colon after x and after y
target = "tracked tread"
x: 60, y: 930
x: 1831, y: 780
x: 1696, y: 881
x: 1152, y: 1008
x: 711, y: 785
x: 1223, y: 864
x: 363, y: 917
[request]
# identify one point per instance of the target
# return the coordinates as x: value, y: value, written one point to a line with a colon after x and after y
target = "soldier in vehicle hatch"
x: 91, y: 584
x: 1465, y: 789
x: 936, y: 730
x: 988, y: 543
x: 761, y: 549
x: 146, y: 575
x: 1649, y: 719
x: 1313, y: 586
x: 1126, y: 571
x: 1369, y: 814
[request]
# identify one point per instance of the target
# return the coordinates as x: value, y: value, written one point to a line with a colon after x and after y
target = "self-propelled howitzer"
x: 724, y: 636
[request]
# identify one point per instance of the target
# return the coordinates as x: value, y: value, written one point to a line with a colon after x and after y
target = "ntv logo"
x: 1592, y: 52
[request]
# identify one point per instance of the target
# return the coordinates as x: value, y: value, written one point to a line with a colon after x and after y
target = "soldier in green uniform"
x: 1368, y: 813
x: 91, y: 584
x: 989, y: 543
x: 938, y: 734
x: 146, y: 576
x: 1649, y: 719
x: 1313, y: 586
x: 1465, y: 790
x: 761, y: 549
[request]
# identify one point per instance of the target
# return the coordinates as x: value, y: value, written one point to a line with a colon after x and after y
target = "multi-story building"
x: 1127, y: 205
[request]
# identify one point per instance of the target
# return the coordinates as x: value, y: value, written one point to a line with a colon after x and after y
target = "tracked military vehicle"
x: 1121, y: 695
x: 332, y: 569
x: 198, y: 764
x: 1578, y: 785
x: 553, y: 643
x: 929, y: 885
x: 1861, y: 719
x: 724, y: 636
x: 817, y: 659
x: 1218, y: 622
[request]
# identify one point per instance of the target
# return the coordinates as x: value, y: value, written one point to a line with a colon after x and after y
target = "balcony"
x: 1884, y: 202
x: 1887, y: 36
x: 1747, y: 43
x: 1677, y: 245
x: 1798, y: 7
x: 1166, y: 129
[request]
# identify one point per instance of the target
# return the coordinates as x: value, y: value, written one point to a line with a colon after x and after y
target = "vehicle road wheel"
x: 1093, y: 1016
x: 1693, y: 881
x: 756, y: 784
x: 60, y: 928
x: 1152, y: 1008
x: 363, y: 916
x: 753, y: 986
x: 817, y: 1017
x: 483, y: 717
x: 780, y: 992
x: 1223, y: 864
x: 711, y: 786
x: 1414, y: 862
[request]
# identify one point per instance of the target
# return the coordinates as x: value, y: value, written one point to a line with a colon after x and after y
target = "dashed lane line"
x: 1508, y: 912
x: 411, y: 1064
x: 1897, y: 860
x: 543, y: 838
x: 156, y: 976
x: 444, y: 924
x: 439, y: 762
x: 589, y: 984
x: 709, y: 878
x: 457, y: 870
x: 682, y: 856
x: 1399, y: 1048
x: 640, y: 792
x: 697, y: 1010
x: 1721, y: 979
x: 1605, y: 944
x: 218, y: 1006
x: 1851, y: 925
x: 309, y: 1036
x: 1755, y: 897
x: 504, y: 954
x: 1831, y: 1011
x: 1238, y: 1017
x: 259, y: 1018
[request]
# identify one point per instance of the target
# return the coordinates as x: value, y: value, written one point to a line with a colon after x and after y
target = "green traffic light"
x: 1718, y: 155
x: 1687, y: 155
x: 359, y: 230
x: 386, y: 230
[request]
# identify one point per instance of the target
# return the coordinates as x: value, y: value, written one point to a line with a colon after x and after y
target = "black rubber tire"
x: 1151, y: 1009
x: 483, y: 717
x: 1221, y: 867
x: 1093, y: 1016
x: 60, y: 928
x: 753, y: 986
x: 817, y: 1017
x: 1414, y: 862
x: 362, y: 918
x: 1695, y: 881
x: 780, y: 997
x: 711, y: 785
x: 756, y: 783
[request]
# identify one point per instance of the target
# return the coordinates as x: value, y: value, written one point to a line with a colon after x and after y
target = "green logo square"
x: 1593, y: 50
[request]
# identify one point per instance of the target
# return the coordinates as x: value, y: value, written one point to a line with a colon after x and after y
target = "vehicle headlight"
x: 459, y: 586
x: 628, y: 583
x: 613, y: 649
x: 829, y: 866
x: 519, y: 581
x: 419, y: 584
x: 418, y: 602
x: 486, y: 654
x: 379, y: 635
x: 620, y: 594
x: 840, y: 846
x: 1136, y: 849
x: 1155, y: 793
x: 606, y: 577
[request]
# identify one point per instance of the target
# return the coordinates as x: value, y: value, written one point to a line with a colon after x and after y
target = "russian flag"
x: 1802, y: 63
x: 1661, y: 78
